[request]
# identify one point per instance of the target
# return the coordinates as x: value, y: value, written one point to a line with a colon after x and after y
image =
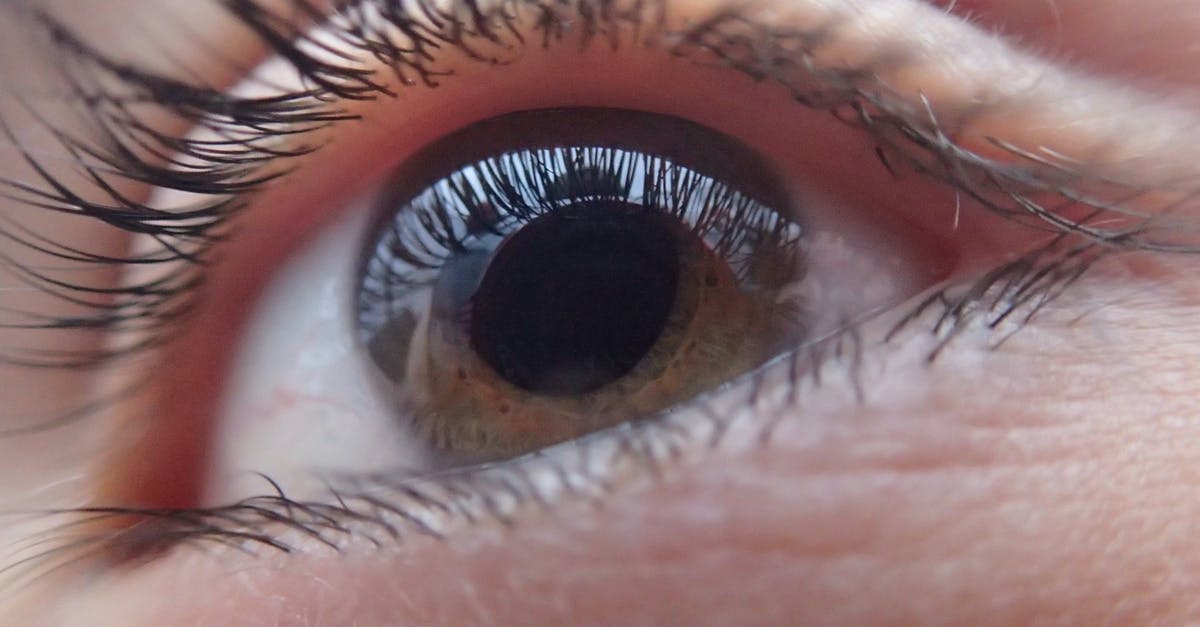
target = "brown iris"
x: 561, y: 285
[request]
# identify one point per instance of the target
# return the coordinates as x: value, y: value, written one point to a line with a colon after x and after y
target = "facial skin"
x: 1050, y: 480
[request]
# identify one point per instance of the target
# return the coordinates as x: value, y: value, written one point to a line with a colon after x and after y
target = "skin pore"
x: 1046, y: 480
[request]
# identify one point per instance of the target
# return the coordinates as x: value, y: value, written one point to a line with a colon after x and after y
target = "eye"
x: 574, y: 280
x: 370, y: 310
x: 344, y: 237
x: 532, y: 278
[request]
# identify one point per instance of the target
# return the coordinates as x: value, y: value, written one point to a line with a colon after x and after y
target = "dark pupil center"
x: 577, y: 297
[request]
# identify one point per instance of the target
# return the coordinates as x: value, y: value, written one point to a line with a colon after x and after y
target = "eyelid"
x: 847, y: 25
x: 179, y: 443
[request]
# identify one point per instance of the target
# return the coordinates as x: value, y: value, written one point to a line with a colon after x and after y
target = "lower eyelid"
x: 813, y: 507
x: 742, y: 442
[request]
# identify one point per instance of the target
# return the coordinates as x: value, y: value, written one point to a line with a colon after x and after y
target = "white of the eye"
x: 301, y: 400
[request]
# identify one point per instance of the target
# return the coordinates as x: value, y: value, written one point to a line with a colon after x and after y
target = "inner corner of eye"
x: 527, y: 280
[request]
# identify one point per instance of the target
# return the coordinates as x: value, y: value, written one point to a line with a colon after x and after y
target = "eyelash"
x: 230, y: 170
x: 504, y: 192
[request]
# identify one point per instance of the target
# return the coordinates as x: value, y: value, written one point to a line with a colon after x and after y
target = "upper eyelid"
x: 858, y: 62
x: 931, y: 89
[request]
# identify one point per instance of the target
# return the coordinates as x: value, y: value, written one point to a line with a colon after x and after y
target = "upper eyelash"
x: 230, y: 170
x: 405, y: 38
x: 514, y: 188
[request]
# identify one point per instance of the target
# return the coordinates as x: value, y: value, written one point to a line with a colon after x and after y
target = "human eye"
x: 973, y: 225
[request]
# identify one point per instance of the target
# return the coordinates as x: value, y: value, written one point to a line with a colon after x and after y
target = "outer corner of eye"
x: 521, y: 282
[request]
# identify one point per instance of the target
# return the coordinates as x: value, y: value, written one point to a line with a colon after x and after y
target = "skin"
x: 1050, y: 481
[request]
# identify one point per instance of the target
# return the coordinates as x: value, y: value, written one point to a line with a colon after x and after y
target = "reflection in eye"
x: 562, y: 286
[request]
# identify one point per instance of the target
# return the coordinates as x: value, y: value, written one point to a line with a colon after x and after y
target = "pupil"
x: 577, y: 297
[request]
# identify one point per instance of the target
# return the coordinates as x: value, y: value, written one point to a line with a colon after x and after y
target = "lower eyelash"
x: 393, y: 505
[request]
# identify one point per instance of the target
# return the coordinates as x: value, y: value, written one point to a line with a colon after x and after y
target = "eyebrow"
x: 988, y: 119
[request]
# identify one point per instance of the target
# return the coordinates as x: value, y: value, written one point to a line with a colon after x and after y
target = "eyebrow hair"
x: 827, y: 55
